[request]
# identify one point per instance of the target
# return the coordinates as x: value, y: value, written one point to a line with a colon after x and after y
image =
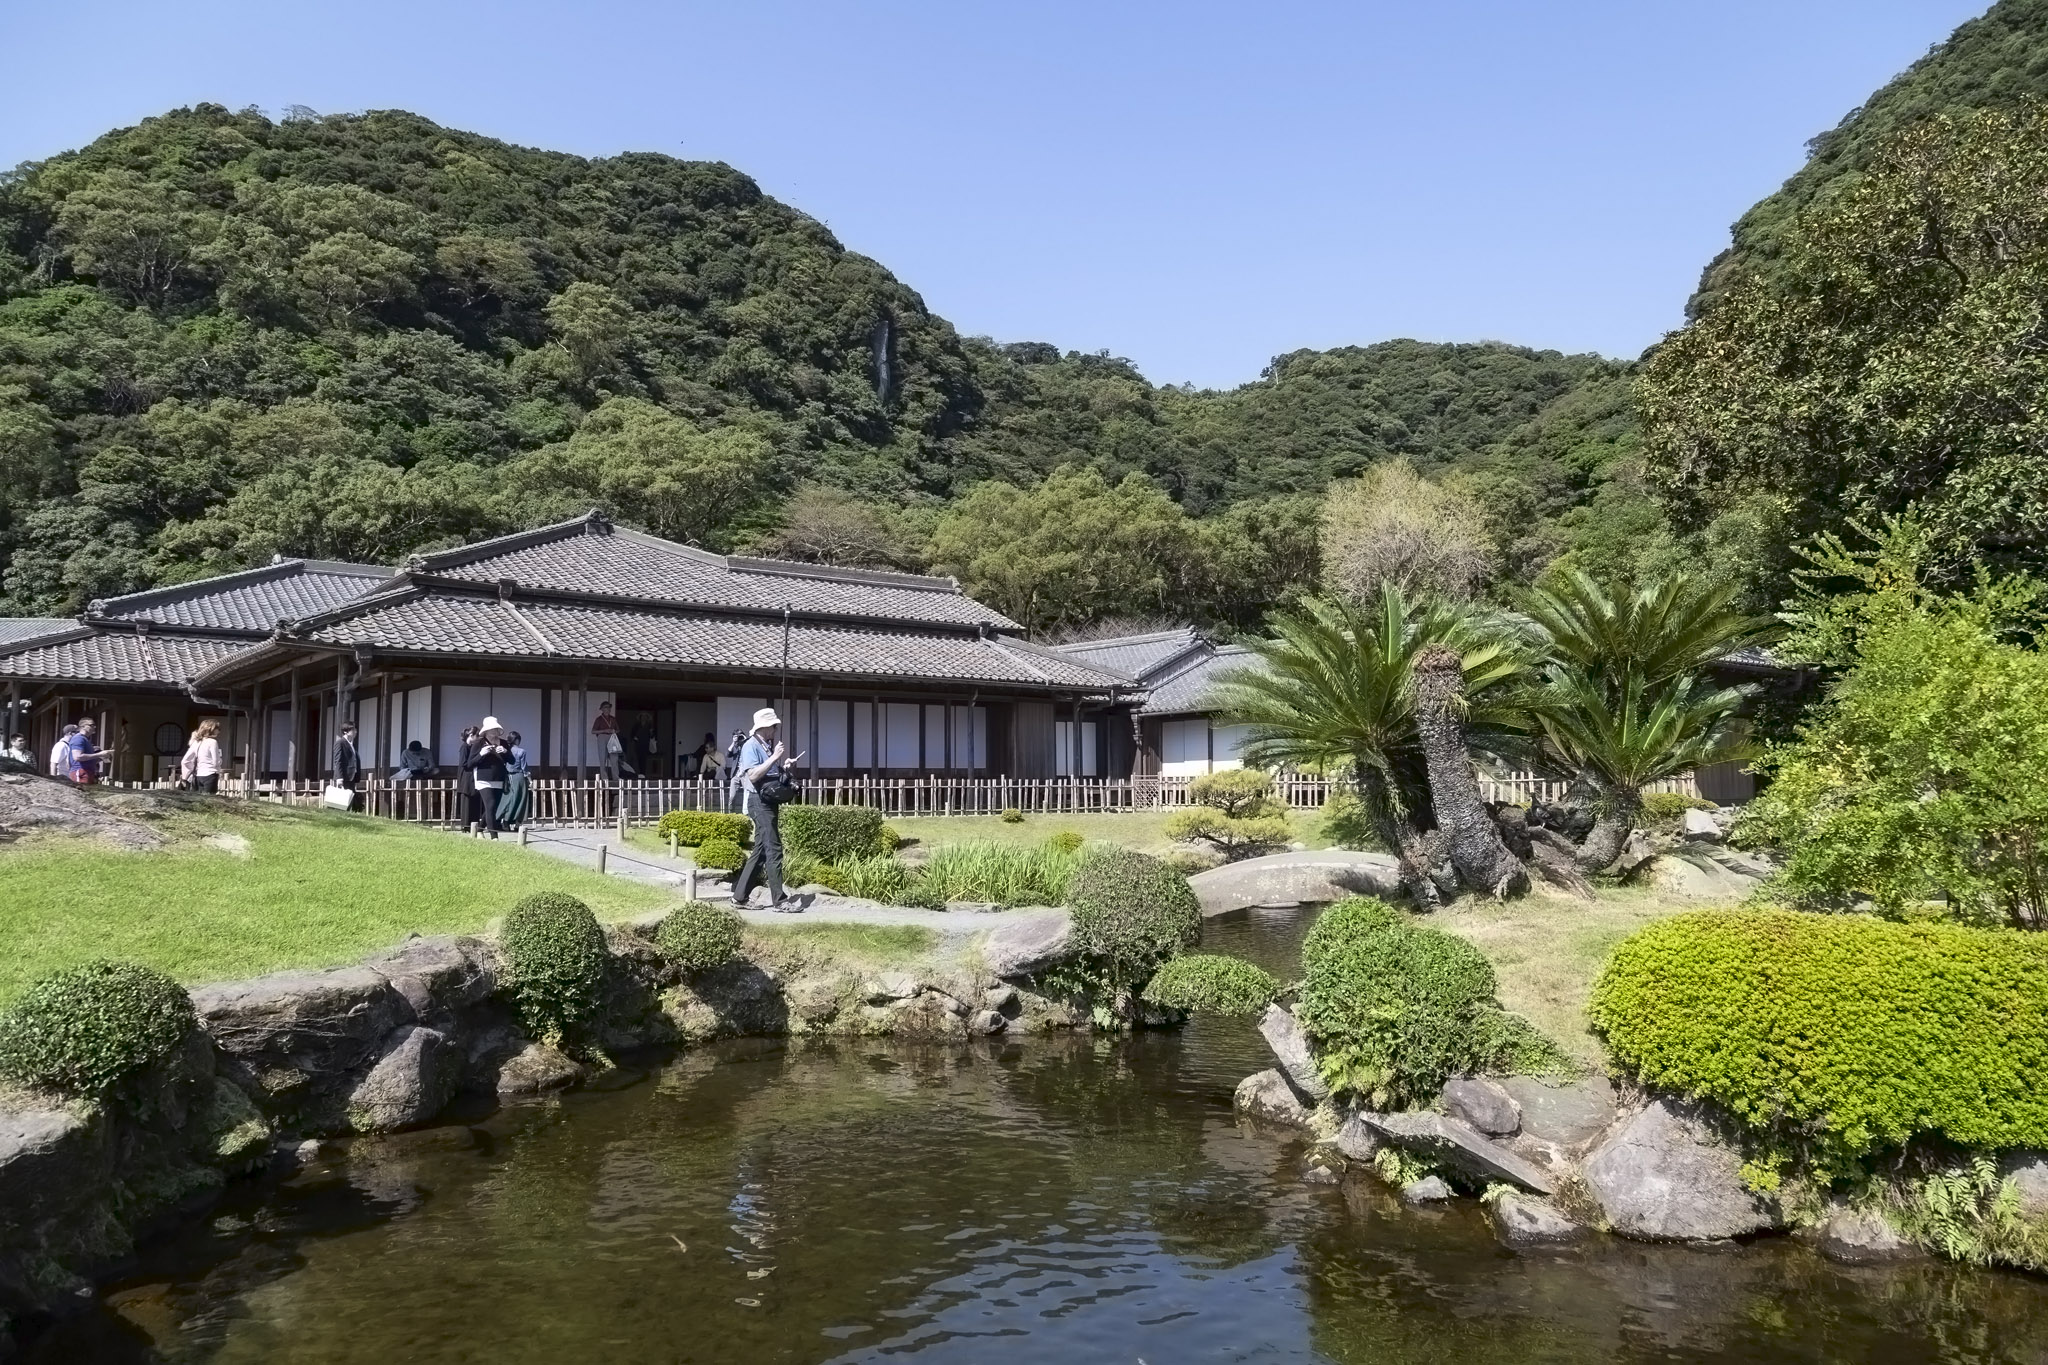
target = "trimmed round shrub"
x: 721, y: 855
x: 693, y: 827
x: 1065, y: 841
x: 1838, y: 1034
x: 829, y: 833
x: 556, y: 953
x: 1131, y: 912
x: 1394, y: 1009
x: 84, y: 1030
x: 887, y: 839
x: 1013, y: 816
x: 1210, y: 983
x: 699, y: 936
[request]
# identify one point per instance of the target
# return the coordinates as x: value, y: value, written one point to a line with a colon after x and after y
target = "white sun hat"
x: 490, y: 723
x: 766, y: 717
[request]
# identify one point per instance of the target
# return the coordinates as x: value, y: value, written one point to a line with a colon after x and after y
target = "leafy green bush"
x: 1232, y: 836
x: 1394, y: 1009
x: 699, y: 935
x: 556, y: 953
x: 1209, y: 983
x: 1131, y: 912
x: 801, y: 869
x: 1013, y: 816
x: 1239, y: 793
x: 720, y: 855
x: 876, y: 877
x: 1003, y: 874
x: 1344, y: 823
x: 1065, y: 841
x: 85, y: 1029
x: 1838, y: 1035
x: 1664, y: 808
x: 829, y: 833
x: 888, y: 839
x: 692, y: 828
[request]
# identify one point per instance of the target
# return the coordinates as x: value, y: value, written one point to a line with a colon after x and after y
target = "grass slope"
x: 313, y: 889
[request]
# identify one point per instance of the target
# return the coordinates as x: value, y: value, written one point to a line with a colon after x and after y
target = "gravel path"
x: 635, y: 863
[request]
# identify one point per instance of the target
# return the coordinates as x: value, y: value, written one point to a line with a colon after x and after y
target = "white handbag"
x: 337, y: 797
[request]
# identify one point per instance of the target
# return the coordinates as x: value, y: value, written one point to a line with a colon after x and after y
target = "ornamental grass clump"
x: 699, y: 935
x: 999, y: 874
x: 84, y: 1030
x: 1394, y: 1009
x: 876, y: 877
x: 1131, y: 913
x: 1210, y: 983
x: 557, y: 957
x: 1834, y: 1037
x: 693, y: 828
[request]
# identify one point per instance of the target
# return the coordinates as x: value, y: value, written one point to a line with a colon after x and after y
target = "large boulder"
x: 536, y: 1068
x: 1296, y: 878
x: 1028, y: 944
x: 1283, y: 1033
x: 1666, y: 1175
x: 411, y: 1083
x: 1461, y: 1145
x: 298, y: 1041
x: 440, y: 975
x: 1483, y: 1104
x: 1700, y: 826
x: 1267, y: 1096
x: 1567, y: 1113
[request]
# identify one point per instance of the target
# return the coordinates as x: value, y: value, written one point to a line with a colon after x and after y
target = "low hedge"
x: 1394, y: 1009
x: 1210, y: 983
x: 1131, y: 912
x: 695, y: 827
x: 720, y: 855
x: 84, y: 1030
x: 556, y: 953
x: 699, y: 935
x: 830, y: 833
x: 1842, y: 1034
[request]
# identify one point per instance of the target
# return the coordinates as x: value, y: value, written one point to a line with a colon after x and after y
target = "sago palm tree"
x: 1623, y: 702
x: 1335, y: 689
x: 1628, y: 737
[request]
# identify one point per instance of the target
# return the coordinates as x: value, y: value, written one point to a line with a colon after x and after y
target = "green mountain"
x: 1996, y: 58
x: 223, y: 337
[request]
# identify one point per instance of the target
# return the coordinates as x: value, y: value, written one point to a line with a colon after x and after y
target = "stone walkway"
x: 636, y: 863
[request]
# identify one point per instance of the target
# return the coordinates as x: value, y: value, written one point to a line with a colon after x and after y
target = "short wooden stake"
x: 690, y: 884
x: 602, y: 849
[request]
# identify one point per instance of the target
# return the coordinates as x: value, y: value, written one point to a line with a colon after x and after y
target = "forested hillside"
x: 1996, y: 58
x: 223, y: 337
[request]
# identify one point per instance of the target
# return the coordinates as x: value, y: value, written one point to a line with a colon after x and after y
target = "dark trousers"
x: 764, y: 861
x: 487, y: 808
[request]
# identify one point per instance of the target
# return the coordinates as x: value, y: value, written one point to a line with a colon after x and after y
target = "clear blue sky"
x: 1196, y: 186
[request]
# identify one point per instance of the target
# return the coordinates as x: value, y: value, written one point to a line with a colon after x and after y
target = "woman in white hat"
x: 761, y: 758
x: 487, y: 767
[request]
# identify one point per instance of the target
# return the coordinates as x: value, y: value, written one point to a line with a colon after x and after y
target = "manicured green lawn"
x: 1548, y: 950
x: 313, y: 889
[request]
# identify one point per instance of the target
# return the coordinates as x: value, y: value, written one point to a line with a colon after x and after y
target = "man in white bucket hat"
x: 763, y: 757
x: 487, y: 769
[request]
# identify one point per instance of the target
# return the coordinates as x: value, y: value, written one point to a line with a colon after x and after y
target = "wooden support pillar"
x: 1074, y: 760
x: 817, y: 697
x: 382, y: 767
x: 293, y: 766
x: 875, y: 736
x: 583, y: 728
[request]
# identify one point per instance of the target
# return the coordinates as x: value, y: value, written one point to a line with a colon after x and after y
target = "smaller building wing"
x: 251, y: 601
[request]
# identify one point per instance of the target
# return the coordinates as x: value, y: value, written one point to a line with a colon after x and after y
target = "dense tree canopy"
x: 1892, y: 359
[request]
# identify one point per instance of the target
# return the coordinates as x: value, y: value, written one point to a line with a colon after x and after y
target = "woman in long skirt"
x: 512, y: 805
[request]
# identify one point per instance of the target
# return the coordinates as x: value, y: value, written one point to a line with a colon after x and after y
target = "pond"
x: 1071, y: 1200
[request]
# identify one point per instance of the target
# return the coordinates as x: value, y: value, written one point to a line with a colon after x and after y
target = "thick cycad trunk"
x: 1483, y: 862
x: 1396, y: 830
x: 1618, y: 812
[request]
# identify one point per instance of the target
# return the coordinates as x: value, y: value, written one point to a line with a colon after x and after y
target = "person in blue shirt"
x: 761, y: 757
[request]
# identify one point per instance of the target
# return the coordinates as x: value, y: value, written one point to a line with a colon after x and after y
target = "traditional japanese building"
x: 548, y: 630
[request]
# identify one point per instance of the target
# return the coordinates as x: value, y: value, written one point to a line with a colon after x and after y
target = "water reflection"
x: 1069, y: 1199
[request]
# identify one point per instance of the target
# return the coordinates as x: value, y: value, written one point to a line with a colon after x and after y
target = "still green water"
x: 1066, y: 1200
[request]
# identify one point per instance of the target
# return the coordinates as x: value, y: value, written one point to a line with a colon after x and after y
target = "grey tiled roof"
x: 1186, y: 692
x: 437, y: 621
x: 121, y: 657
x: 1137, y: 655
x: 589, y: 555
x: 16, y: 629
x: 253, y: 600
